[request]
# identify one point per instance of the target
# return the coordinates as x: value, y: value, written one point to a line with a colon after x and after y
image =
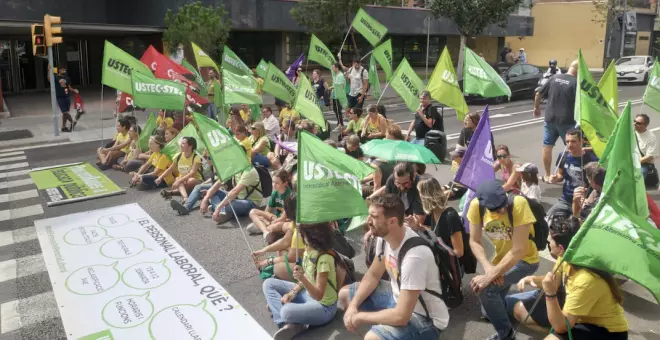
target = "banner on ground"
x: 477, y: 164
x: 120, y: 275
x: 147, y: 132
x: 370, y: 28
x: 307, y: 104
x: 320, y: 53
x: 157, y: 93
x: 262, y: 69
x: 203, y: 59
x: 73, y: 183
x: 408, y: 85
x: 609, y: 88
x: 118, y: 66
x: 383, y: 54
x: 443, y: 86
x: 652, y: 93
x: 480, y: 78
x: 329, y: 182
x: 373, y: 77
x: 277, y: 84
x: 227, y: 156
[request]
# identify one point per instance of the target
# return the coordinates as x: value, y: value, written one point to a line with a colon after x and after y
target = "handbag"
x: 651, y: 179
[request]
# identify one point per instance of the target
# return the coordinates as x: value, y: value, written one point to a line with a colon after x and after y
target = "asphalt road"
x: 28, y: 309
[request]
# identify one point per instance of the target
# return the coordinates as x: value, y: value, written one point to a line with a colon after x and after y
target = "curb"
x: 50, y: 142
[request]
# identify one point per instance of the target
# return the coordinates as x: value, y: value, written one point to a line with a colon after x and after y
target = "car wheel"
x: 646, y: 79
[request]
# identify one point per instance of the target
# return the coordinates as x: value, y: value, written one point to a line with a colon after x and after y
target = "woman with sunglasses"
x: 260, y: 144
x: 504, y: 163
x: 297, y: 77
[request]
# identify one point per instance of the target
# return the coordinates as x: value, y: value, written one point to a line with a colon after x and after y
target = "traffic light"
x: 49, y: 29
x: 38, y: 40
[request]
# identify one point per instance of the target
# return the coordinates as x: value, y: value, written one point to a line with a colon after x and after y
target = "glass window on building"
x: 251, y: 47
x: 630, y: 43
x: 414, y: 49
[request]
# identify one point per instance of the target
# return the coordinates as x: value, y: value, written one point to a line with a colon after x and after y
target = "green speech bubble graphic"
x: 83, y: 236
x: 128, y: 311
x: 114, y: 220
x: 94, y: 279
x: 146, y: 275
x: 183, y: 322
x: 122, y: 248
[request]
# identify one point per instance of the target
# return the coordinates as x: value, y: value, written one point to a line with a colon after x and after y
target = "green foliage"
x: 207, y: 26
x: 606, y: 10
x: 473, y: 16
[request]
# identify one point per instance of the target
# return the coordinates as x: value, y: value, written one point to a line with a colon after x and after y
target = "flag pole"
x: 240, y: 227
x: 346, y: 37
x: 102, y: 140
x: 428, y: 41
x: 383, y: 92
x: 560, y: 159
x: 366, y: 55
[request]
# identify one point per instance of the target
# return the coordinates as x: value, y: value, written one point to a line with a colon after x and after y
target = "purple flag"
x: 477, y: 164
x: 291, y: 71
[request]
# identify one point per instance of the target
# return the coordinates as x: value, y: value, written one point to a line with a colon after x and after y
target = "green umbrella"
x: 400, y: 151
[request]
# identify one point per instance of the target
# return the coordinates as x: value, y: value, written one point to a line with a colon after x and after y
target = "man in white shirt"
x: 271, y: 123
x: 358, y: 77
x: 395, y: 312
x: 646, y: 143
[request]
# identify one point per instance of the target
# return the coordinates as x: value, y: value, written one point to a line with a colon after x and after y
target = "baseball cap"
x: 528, y: 168
x: 491, y: 195
x: 458, y: 152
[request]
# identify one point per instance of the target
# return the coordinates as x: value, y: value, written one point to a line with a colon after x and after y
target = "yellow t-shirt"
x: 245, y: 115
x: 266, y: 148
x: 296, y: 240
x: 289, y: 114
x: 185, y: 165
x: 260, y: 85
x: 248, y: 146
x: 325, y: 263
x: 589, y: 298
x: 161, y: 162
x: 123, y: 138
x: 498, y: 228
x: 169, y: 122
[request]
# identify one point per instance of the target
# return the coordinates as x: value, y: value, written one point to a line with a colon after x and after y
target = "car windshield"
x: 631, y: 61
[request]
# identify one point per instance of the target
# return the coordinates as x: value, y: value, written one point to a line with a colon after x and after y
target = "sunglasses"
x: 502, y: 156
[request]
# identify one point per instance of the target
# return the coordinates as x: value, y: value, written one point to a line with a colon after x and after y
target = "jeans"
x: 493, y: 297
x: 211, y: 111
x: 303, y: 309
x: 258, y: 159
x: 241, y: 207
x: 196, y: 195
x: 133, y: 165
x: 149, y: 181
x: 418, y: 141
x: 418, y: 328
x: 336, y: 107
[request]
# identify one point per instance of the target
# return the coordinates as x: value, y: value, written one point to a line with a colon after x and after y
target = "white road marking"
x: 17, y: 236
x: 14, y: 166
x: 12, y: 159
x: 17, y: 196
x: 500, y: 115
x: 13, y: 153
x: 15, y: 173
x: 30, y: 210
x: 16, y: 183
x: 15, y: 268
x: 10, y: 317
x: 36, y: 309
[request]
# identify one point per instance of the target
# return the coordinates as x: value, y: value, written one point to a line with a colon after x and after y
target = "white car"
x: 633, y: 69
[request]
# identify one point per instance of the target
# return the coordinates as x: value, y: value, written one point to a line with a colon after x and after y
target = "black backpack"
x: 541, y: 229
x: 449, y: 268
x: 344, y: 268
x: 265, y: 186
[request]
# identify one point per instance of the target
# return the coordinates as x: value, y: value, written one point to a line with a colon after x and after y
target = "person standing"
x: 338, y: 84
x: 320, y: 86
x: 560, y: 94
x: 358, y: 77
x: 62, y: 94
x: 510, y: 58
x: 211, y: 84
x: 646, y: 143
x: 427, y: 118
x: 522, y: 57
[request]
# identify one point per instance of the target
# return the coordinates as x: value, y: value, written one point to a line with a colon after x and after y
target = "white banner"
x: 117, y: 274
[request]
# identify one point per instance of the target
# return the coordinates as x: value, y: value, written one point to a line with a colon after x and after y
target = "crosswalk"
x: 26, y: 298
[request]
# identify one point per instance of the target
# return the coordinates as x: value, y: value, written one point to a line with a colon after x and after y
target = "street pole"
x: 53, y: 104
x: 623, y: 28
x: 428, y: 43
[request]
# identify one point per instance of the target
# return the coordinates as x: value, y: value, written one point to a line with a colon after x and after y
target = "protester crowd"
x: 411, y: 285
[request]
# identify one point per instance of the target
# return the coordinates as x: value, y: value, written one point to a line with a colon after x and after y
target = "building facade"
x: 260, y: 29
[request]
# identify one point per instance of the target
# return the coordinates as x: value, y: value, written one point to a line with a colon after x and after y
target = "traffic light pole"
x: 51, y: 75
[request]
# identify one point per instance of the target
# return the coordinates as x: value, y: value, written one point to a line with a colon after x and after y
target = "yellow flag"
x: 203, y: 59
x: 444, y: 88
x: 608, y: 87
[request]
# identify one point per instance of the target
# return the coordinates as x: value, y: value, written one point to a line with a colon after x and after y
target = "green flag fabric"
x: 592, y: 112
x: 329, y: 182
x: 172, y: 148
x: 480, y: 78
x: 307, y: 104
x: 407, y: 84
x: 373, y: 77
x: 383, y: 54
x: 157, y: 93
x: 147, y: 130
x: 277, y: 84
x: 240, y: 89
x: 203, y: 90
x: 320, y: 53
x: 232, y: 63
x: 617, y: 240
x: 227, y: 156
x: 652, y: 93
x: 203, y: 59
x: 443, y: 86
x: 262, y: 69
x: 609, y: 88
x: 118, y: 66
x: 339, y: 88
x: 370, y: 28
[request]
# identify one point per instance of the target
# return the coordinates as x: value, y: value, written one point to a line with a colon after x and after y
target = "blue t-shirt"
x: 574, y: 175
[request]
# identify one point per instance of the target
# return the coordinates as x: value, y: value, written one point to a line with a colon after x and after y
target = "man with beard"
x: 403, y: 183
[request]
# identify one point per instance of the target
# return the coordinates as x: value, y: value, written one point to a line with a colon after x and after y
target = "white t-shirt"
x: 356, y: 80
x: 272, y: 126
x: 647, y: 143
x: 419, y: 272
x: 533, y: 191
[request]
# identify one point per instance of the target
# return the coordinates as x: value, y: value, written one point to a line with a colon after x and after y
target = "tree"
x: 472, y: 17
x: 207, y: 26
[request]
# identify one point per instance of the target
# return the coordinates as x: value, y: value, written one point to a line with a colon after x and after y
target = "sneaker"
x: 179, y: 207
x: 498, y: 337
x: 289, y: 331
x: 253, y: 229
x: 65, y: 129
x: 73, y: 126
x: 225, y: 217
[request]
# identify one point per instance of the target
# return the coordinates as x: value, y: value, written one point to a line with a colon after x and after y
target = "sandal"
x: 117, y: 167
x: 166, y: 194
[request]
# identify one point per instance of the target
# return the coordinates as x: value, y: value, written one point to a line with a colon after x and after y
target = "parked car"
x: 521, y: 78
x: 633, y: 69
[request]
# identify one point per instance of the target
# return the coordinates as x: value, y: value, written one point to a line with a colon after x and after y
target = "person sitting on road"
x: 260, y: 145
x: 375, y: 125
x: 378, y: 179
x: 313, y: 300
x: 353, y: 147
x: 108, y: 156
x: 241, y: 136
x: 187, y: 165
x: 395, y: 311
x: 505, y: 164
x: 184, y: 208
x: 646, y: 144
x: 132, y: 157
x: 271, y: 124
x: 453, y: 189
x: 516, y: 255
x: 273, y: 218
x: 529, y: 175
x: 157, y: 164
x: 235, y: 119
x: 403, y: 183
x: 170, y: 133
x: 586, y: 198
x: 246, y: 114
x: 355, y: 124
x: 470, y: 123
x: 288, y: 120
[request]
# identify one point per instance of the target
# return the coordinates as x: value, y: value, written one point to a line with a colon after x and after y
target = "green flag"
x: 147, y: 130
x: 480, y: 78
x: 232, y: 63
x: 172, y: 148
x: 118, y: 66
x: 373, y: 77
x: 609, y: 88
x: 617, y: 240
x: 203, y: 59
x: 240, y: 89
x: 370, y: 28
x: 277, y: 84
x: 320, y: 53
x: 443, y: 86
x: 652, y: 93
x: 339, y: 88
x: 157, y: 93
x: 262, y: 69
x: 383, y: 54
x: 227, y: 156
x: 407, y: 84
x: 329, y: 182
x: 592, y: 112
x: 307, y: 104
x: 203, y: 90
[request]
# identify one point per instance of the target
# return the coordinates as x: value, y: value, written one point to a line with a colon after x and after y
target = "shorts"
x: 585, y: 331
x: 552, y: 131
x: 353, y: 102
x: 64, y: 103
